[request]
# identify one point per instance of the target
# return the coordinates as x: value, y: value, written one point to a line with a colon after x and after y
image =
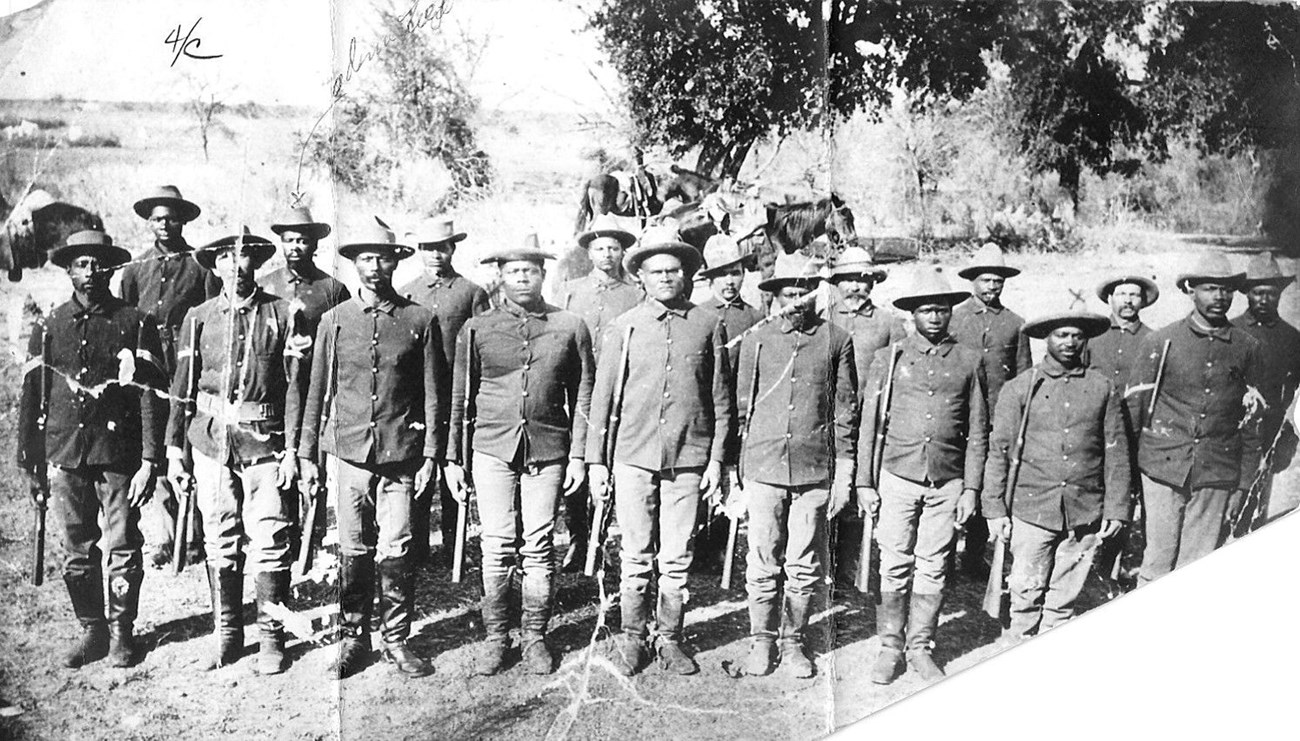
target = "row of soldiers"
x: 788, y: 418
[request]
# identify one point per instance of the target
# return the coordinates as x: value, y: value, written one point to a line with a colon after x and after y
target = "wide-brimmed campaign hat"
x: 604, y: 226
x: 298, y: 219
x: 988, y: 259
x: 1263, y: 270
x: 930, y: 287
x: 1092, y: 324
x: 436, y: 231
x: 375, y: 236
x: 167, y: 195
x: 722, y: 251
x: 1212, y: 267
x: 261, y: 249
x: 792, y: 270
x: 89, y: 242
x: 663, y: 240
x: 531, y: 250
x: 856, y: 262
x: 1150, y: 291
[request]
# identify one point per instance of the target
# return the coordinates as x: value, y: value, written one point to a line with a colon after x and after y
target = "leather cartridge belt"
x: 232, y: 412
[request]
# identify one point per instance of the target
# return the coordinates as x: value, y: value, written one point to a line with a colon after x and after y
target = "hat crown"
x: 989, y: 255
x: 375, y: 232
x: 299, y: 215
x: 166, y: 191
x: 722, y: 249
x: 659, y: 234
x: 854, y: 257
x: 930, y: 283
x: 531, y: 242
x: 794, y: 267
x: 604, y: 222
x: 1263, y: 267
x: 1212, y: 264
x: 89, y: 238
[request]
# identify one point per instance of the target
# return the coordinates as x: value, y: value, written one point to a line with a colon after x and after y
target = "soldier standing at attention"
x: 1072, y: 489
x: 797, y: 459
x: 871, y: 327
x: 98, y: 440
x: 1201, y: 445
x: 670, y: 441
x: 598, y: 297
x: 532, y: 368
x: 166, y: 282
x: 1279, y: 345
x: 453, y: 299
x: 984, y: 325
x: 300, y: 279
x: 378, y: 404
x: 932, y: 469
x: 244, y: 436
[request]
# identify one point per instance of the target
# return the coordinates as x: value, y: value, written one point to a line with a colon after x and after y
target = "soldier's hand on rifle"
x: 1109, y: 528
x: 178, y: 470
x: 711, y: 479
x: 454, y: 475
x: 598, y: 475
x: 575, y: 475
x: 308, y: 474
x: 737, y: 504
x: 967, y: 503
x: 1000, y: 528
x: 426, y: 477
x: 142, y: 483
x: 287, y: 471
x: 38, y: 483
x: 1236, y: 503
x: 868, y: 501
x: 840, y: 489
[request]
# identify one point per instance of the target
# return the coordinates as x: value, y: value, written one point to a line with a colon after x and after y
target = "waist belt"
x: 232, y: 412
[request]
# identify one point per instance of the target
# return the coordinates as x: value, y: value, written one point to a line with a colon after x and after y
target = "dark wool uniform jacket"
x: 677, y: 401
x: 1279, y: 348
x: 1198, y: 436
x: 938, y: 420
x: 1076, y: 462
x: 453, y: 299
x: 241, y: 361
x: 995, y: 334
x: 167, y: 285
x: 871, y: 328
x: 598, y: 301
x: 805, y: 417
x: 316, y: 290
x: 534, y: 372
x: 1114, y: 353
x: 93, y: 418
x: 390, y: 391
x: 737, y: 316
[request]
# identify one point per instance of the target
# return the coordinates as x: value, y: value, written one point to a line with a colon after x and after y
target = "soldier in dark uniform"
x: 670, y: 444
x: 378, y: 405
x: 598, y: 297
x: 871, y: 327
x: 244, y: 433
x: 305, y: 286
x: 1280, y: 351
x: 797, y: 459
x: 1200, y: 448
x: 525, y: 453
x: 453, y: 299
x: 166, y: 282
x: 725, y: 273
x: 98, y: 438
x: 932, y: 469
x: 1113, y: 353
x: 1072, y: 492
x: 983, y: 324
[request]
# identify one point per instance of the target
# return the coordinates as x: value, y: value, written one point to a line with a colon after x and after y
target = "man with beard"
x: 529, y: 437
x: 377, y: 404
x: 244, y: 433
x: 598, y: 297
x: 1280, y: 353
x: 165, y: 281
x: 984, y: 325
x: 932, y: 469
x: 1199, y: 444
x: 98, y: 439
x: 453, y: 299
x: 797, y: 461
x: 670, y: 441
x: 1072, y: 491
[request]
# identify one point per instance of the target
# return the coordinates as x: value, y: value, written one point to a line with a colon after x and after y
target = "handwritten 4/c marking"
x: 182, y: 45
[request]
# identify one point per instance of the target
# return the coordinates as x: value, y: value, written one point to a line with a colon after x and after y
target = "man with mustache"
x: 301, y: 282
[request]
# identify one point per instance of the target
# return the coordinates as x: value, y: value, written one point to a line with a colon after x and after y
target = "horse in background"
x: 37, y: 224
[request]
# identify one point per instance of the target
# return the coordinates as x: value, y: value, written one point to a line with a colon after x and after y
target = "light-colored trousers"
x: 787, y: 533
x: 915, y: 533
x: 656, y: 516
x: 1048, y: 571
x: 374, y: 508
x: 1182, y: 526
x: 239, y: 502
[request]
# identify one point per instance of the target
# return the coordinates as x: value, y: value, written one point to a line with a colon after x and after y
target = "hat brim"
x: 911, y: 303
x: 112, y: 254
x: 772, y: 285
x: 1093, y: 325
x: 1279, y: 282
x: 313, y: 230
x: 188, y: 211
x: 400, y: 251
x: 534, y: 256
x: 716, y: 270
x: 976, y: 271
x: 627, y: 239
x: 1150, y: 291
x: 691, y: 258
x: 1187, y: 280
x: 873, y: 275
x: 453, y: 239
x: 263, y: 250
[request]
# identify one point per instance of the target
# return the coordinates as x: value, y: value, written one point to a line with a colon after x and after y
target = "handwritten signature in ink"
x: 181, y: 46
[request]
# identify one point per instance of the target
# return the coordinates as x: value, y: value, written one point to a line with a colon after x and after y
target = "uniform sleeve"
x: 1006, y: 426
x: 1024, y: 358
x: 1118, y: 461
x: 846, y: 405
x: 31, y: 435
x: 130, y: 287
x: 456, y: 452
x: 437, y: 392
x: 149, y: 373
x: 724, y: 413
x: 581, y: 402
x: 481, y: 303
x: 977, y: 430
x: 872, y: 398
x: 602, y: 393
x: 314, y: 407
x: 749, y: 354
x: 179, y: 392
